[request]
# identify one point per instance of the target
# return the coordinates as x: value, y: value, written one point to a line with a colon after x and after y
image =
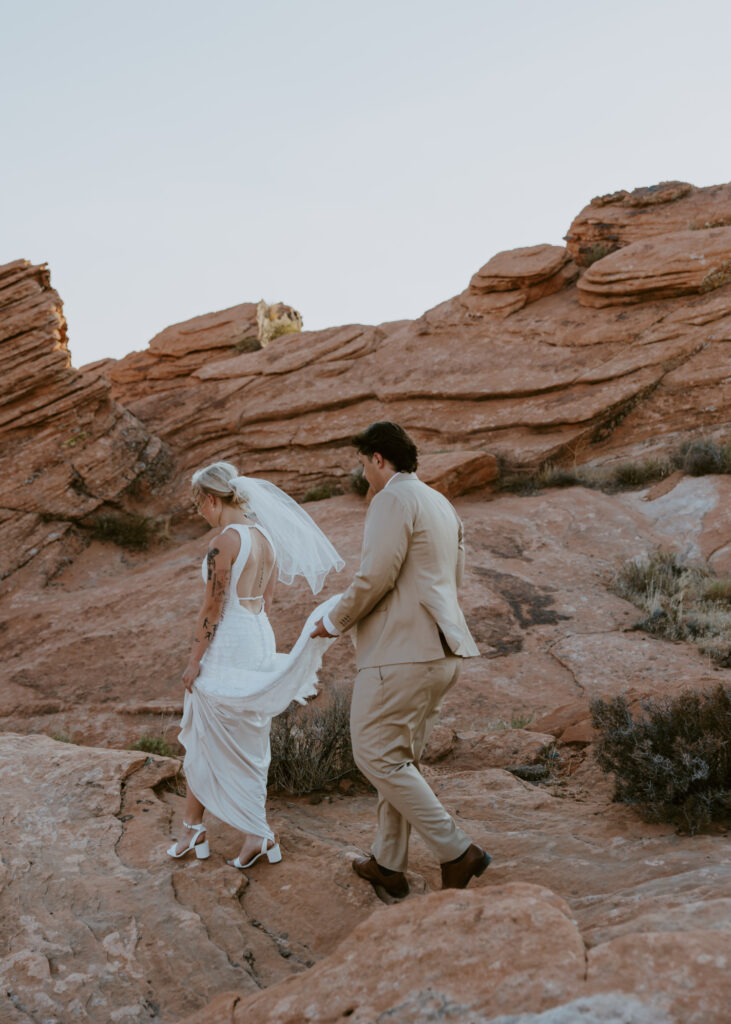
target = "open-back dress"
x: 243, y: 683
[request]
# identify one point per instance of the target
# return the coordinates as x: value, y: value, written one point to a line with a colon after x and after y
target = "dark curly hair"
x: 389, y: 440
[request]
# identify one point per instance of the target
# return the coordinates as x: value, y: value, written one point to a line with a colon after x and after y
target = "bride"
x: 235, y: 681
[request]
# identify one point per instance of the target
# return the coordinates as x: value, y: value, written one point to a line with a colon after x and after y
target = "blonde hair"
x: 222, y: 480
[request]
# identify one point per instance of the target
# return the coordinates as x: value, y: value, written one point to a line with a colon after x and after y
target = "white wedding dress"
x: 243, y: 683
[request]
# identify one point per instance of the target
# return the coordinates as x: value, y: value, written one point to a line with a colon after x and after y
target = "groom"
x: 411, y: 638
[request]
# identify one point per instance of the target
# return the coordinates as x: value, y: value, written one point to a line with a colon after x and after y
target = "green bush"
x: 358, y: 483
x: 673, y: 761
x: 311, y: 745
x: 154, y: 745
x: 127, y: 529
x: 322, y: 491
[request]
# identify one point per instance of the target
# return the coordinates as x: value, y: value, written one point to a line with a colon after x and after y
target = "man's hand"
x: 320, y: 630
x: 190, y: 675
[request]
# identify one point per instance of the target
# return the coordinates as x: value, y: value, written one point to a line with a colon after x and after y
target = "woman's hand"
x: 190, y: 675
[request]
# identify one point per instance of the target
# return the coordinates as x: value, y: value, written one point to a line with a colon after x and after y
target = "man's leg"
x: 391, y: 711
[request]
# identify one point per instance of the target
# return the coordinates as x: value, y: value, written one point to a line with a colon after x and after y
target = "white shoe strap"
x: 195, y: 828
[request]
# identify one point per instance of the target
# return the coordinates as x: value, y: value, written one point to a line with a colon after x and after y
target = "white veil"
x: 300, y: 546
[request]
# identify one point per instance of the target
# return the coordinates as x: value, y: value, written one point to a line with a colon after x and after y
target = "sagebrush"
x: 696, y: 458
x: 127, y: 529
x: 681, y: 601
x: 672, y: 760
x: 311, y: 746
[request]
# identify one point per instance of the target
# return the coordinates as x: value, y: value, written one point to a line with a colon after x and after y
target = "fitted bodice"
x: 240, y: 561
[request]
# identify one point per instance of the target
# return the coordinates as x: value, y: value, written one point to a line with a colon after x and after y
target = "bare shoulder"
x: 226, y: 545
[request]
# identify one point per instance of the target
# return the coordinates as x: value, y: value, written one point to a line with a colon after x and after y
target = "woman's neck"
x: 231, y: 514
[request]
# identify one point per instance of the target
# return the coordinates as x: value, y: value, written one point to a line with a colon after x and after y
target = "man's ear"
x: 378, y: 460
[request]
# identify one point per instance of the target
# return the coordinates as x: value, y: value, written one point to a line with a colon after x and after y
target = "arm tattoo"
x: 209, y: 629
x: 210, y: 562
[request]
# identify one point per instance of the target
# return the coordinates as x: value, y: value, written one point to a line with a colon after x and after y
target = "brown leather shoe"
x: 457, y: 873
x: 368, y: 868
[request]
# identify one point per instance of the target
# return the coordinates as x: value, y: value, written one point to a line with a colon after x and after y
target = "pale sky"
x: 356, y: 160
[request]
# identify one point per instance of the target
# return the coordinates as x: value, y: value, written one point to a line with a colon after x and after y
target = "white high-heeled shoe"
x: 202, y: 850
x: 273, y: 855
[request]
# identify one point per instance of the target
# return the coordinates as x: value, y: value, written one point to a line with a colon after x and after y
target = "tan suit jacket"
x: 405, y: 591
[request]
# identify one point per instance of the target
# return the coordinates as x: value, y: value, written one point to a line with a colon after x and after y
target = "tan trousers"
x: 393, y: 711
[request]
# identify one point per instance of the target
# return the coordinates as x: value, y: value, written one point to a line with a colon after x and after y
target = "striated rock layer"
x: 530, y: 363
x: 66, y: 447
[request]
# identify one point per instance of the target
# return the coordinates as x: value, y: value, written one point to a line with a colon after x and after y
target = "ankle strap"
x: 195, y: 828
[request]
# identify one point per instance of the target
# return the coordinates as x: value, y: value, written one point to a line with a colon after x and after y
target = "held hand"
x: 320, y: 630
x: 190, y: 675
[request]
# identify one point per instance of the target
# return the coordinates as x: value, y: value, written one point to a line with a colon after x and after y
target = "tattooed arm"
x: 222, y: 552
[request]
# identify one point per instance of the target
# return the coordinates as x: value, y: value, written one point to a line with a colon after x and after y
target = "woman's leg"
x: 192, y: 815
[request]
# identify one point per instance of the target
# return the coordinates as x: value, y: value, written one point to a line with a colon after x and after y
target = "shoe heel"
x: 274, y: 855
x: 202, y: 850
x: 485, y: 864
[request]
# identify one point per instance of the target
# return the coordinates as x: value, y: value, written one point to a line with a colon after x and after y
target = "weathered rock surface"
x: 99, y: 925
x: 612, y: 221
x: 519, y: 276
x: 681, y: 263
x: 587, y: 913
x: 67, y: 448
x: 546, y: 378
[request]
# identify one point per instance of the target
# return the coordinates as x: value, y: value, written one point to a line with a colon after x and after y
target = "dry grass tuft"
x: 680, y: 601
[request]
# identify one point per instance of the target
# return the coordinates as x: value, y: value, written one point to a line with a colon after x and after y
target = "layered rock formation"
x: 620, y: 218
x: 587, y: 914
x: 68, y: 448
x: 530, y: 363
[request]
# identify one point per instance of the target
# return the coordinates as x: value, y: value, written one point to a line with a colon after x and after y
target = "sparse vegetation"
x: 696, y: 458
x: 322, y: 491
x: 127, y: 529
x: 311, y: 746
x: 673, y: 760
x: 680, y: 601
x: 518, y: 720
x: 701, y: 457
x: 61, y: 737
x: 154, y: 745
x: 358, y: 483
x: 247, y: 345
x: 597, y: 251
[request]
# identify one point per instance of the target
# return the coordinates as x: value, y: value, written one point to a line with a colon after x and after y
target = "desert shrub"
x: 247, y: 345
x: 154, y: 745
x: 673, y: 760
x: 702, y: 457
x: 637, y: 474
x: 322, y: 491
x: 696, y: 458
x: 311, y: 745
x: 61, y: 737
x: 127, y: 529
x: 557, y: 476
x: 596, y: 251
x: 680, y: 601
x: 358, y: 482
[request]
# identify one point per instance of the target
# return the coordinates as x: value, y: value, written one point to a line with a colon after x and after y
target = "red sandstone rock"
x: 682, y: 263
x: 67, y: 448
x: 616, y: 220
x: 475, y: 751
x: 379, y: 969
